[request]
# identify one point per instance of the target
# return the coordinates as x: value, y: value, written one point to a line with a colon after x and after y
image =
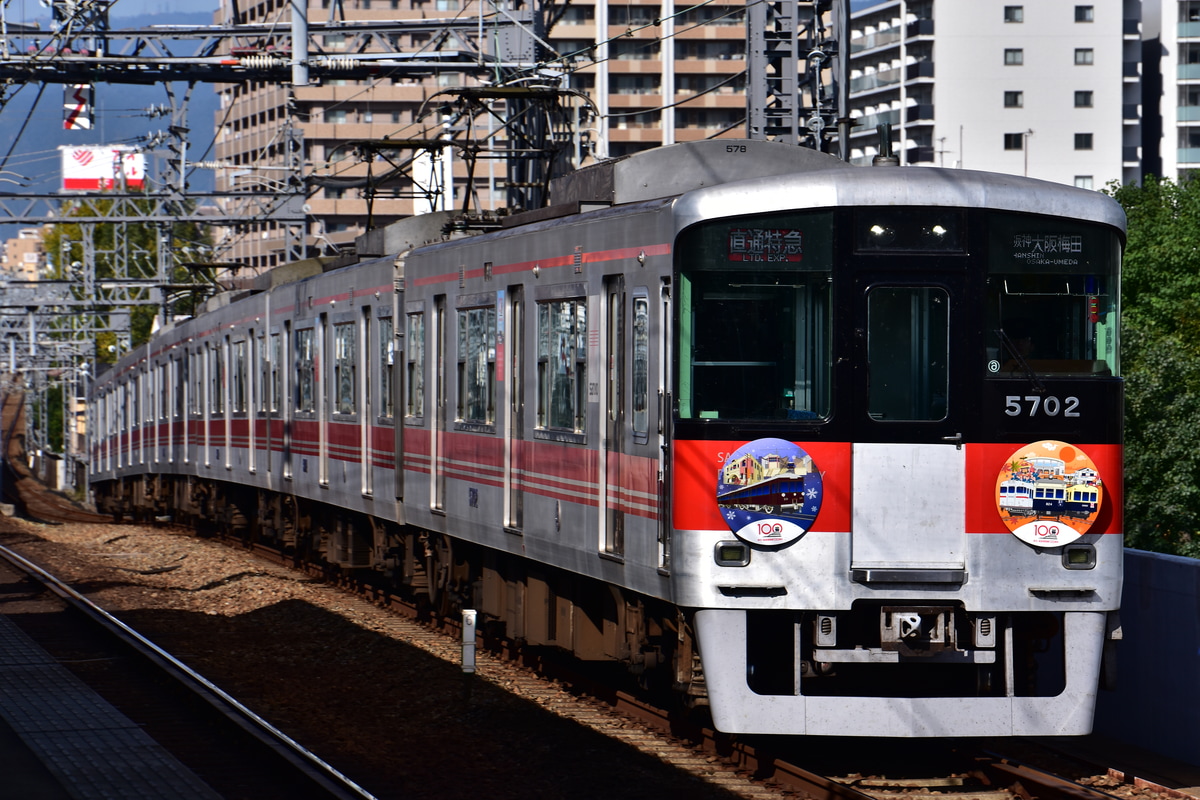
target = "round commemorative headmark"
x: 1049, y: 493
x: 769, y: 492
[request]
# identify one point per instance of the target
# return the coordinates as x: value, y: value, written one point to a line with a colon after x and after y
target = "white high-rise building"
x: 1173, y: 87
x: 1049, y: 89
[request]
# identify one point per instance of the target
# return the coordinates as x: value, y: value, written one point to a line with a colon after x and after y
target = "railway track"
x: 748, y: 767
x: 971, y: 773
x: 232, y: 749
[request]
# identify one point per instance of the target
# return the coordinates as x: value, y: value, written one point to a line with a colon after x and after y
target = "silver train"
x: 731, y: 413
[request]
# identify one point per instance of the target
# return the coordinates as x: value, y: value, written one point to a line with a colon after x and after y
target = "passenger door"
x: 909, y: 411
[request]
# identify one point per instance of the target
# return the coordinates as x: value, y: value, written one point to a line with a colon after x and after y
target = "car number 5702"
x: 1048, y: 405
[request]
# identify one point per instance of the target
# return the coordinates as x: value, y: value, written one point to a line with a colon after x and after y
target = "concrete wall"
x: 1157, y: 702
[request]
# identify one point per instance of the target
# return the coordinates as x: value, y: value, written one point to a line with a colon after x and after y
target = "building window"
x: 1083, y: 181
x: 335, y: 115
x: 1014, y: 13
x: 1083, y: 141
x: 1014, y: 56
x: 1084, y: 56
x: 1083, y: 99
x: 1014, y: 141
x: 1014, y: 99
x: 1085, y: 13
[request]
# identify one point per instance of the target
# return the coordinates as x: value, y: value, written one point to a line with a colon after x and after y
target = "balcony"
x: 920, y: 27
x: 875, y: 80
x: 921, y: 111
x: 921, y: 69
x: 873, y: 40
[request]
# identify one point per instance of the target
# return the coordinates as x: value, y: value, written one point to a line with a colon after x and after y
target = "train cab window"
x: 562, y: 365
x: 754, y: 318
x: 477, y: 365
x: 1053, y: 298
x: 908, y: 346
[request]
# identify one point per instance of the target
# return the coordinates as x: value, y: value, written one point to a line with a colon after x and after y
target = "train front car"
x: 897, y: 450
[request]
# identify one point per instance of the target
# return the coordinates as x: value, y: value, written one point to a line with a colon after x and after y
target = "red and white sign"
x: 95, y: 167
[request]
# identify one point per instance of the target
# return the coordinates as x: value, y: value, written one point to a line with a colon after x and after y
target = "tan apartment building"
x: 656, y: 73
x: 24, y: 256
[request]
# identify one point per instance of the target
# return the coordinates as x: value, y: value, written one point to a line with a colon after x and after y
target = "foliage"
x: 120, y: 251
x: 1160, y: 359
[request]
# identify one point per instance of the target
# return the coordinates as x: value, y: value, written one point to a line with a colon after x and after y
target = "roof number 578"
x: 1034, y: 404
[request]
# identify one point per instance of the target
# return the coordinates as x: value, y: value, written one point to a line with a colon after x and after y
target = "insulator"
x: 336, y: 62
x: 263, y: 62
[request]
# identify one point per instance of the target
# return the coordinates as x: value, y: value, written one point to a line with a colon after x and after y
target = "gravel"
x: 374, y: 694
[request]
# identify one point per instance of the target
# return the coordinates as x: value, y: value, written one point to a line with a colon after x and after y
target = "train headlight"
x: 1079, y: 556
x: 732, y: 554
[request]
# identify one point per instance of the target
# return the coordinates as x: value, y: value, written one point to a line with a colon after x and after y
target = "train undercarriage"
x: 520, y: 602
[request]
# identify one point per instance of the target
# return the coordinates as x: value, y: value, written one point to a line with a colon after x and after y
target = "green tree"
x: 138, y: 244
x: 1160, y: 359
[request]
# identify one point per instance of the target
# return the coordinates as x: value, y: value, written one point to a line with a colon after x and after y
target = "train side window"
x: 276, y: 374
x: 477, y: 365
x: 196, y: 395
x: 264, y: 374
x: 562, y: 365
x: 908, y: 345
x: 216, y: 395
x: 415, y: 366
x: 387, y: 368
x: 305, y: 371
x: 238, y: 376
x: 345, y: 380
x: 641, y: 367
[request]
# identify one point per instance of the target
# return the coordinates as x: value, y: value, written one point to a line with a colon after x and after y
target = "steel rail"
x: 316, y: 769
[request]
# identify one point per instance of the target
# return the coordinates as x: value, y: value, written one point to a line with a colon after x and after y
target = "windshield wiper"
x: 1021, y: 362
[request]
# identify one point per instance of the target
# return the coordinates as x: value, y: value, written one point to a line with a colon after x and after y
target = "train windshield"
x: 754, y: 322
x: 1053, y: 297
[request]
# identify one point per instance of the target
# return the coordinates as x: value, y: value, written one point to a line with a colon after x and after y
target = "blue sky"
x: 125, y: 8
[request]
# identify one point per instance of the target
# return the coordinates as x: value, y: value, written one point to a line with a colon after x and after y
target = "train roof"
x: 899, y: 186
x: 679, y: 168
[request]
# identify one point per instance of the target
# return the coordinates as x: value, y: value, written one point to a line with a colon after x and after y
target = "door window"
x: 908, y: 341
